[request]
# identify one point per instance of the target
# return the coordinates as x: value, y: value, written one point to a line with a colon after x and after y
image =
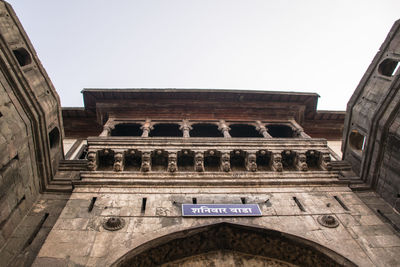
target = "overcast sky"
x: 303, y: 46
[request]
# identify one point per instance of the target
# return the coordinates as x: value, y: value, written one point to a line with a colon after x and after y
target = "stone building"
x: 144, y: 177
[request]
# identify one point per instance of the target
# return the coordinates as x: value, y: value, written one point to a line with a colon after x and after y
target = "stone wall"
x: 79, y: 237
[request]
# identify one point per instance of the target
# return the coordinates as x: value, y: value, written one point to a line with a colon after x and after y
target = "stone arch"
x: 250, y: 240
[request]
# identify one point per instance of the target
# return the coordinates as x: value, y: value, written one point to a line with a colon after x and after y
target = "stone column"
x: 92, y: 160
x: 146, y: 161
x: 199, y: 162
x: 108, y: 126
x: 262, y: 130
x: 299, y: 131
x: 172, y: 162
x: 251, y: 162
x: 224, y: 128
x: 146, y: 128
x: 185, y: 128
x: 276, y: 162
x: 118, y: 161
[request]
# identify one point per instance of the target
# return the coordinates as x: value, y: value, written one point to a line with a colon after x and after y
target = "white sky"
x: 305, y: 46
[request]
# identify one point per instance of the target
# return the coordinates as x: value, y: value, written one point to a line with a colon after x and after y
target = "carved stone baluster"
x: 301, y: 162
x: 146, y: 162
x: 118, y: 161
x: 92, y: 160
x: 224, y: 128
x: 276, y: 162
x: 146, y: 128
x: 252, y: 162
x: 172, y: 159
x: 325, y: 161
x: 199, y: 162
x: 225, y: 162
x: 262, y: 130
x: 185, y: 128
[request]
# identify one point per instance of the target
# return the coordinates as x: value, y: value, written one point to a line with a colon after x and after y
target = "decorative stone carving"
x: 113, y: 223
x: 301, y: 163
x: 223, y: 127
x: 328, y: 221
x: 118, y: 161
x: 252, y: 162
x: 325, y: 161
x: 276, y: 162
x: 262, y: 130
x: 225, y: 162
x: 92, y: 160
x: 185, y: 128
x: 146, y: 162
x: 146, y: 128
x: 172, y: 159
x: 199, y: 162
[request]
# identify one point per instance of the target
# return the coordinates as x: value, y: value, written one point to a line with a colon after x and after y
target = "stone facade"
x: 110, y: 192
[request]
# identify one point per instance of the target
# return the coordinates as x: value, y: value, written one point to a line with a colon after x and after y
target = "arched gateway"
x: 226, y: 244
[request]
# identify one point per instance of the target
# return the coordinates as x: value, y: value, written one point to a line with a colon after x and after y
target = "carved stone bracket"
x: 225, y: 162
x: 146, y: 162
x: 276, y: 162
x: 118, y: 161
x: 223, y: 127
x: 199, y: 162
x: 172, y: 159
x: 108, y: 126
x: 325, y: 161
x: 252, y: 162
x: 301, y: 162
x: 92, y: 160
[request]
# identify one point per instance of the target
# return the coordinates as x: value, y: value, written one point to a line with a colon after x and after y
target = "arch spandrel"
x: 262, y: 244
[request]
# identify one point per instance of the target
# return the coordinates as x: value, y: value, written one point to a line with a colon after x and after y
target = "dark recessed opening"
x: 280, y: 131
x: 83, y: 152
x: 133, y: 160
x: 91, y: 205
x: 238, y: 160
x: 54, y: 137
x: 166, y: 130
x: 144, y: 201
x: 106, y: 160
x: 23, y: 56
x: 263, y: 160
x: 212, y: 161
x: 312, y: 160
x: 243, y: 199
x: 388, y: 67
x: 194, y: 200
x: 243, y: 130
x: 357, y: 140
x: 159, y: 160
x: 288, y: 160
x: 298, y: 203
x: 185, y: 160
x: 205, y: 130
x: 127, y: 129
x: 1, y: 114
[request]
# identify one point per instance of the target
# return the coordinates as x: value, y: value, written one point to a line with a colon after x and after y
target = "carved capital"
x: 262, y: 130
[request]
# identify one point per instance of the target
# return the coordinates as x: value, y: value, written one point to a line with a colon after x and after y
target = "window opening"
x: 263, y: 160
x: 357, y: 140
x: 54, y: 137
x: 243, y: 130
x: 212, y: 161
x: 106, y: 160
x: 205, y: 130
x: 159, y: 160
x: 185, y: 160
x: 388, y: 67
x: 238, y: 162
x: 133, y: 160
x: 288, y: 160
x: 127, y: 129
x: 166, y: 130
x: 23, y: 56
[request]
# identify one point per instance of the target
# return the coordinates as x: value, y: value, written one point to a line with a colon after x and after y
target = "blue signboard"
x: 217, y: 210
